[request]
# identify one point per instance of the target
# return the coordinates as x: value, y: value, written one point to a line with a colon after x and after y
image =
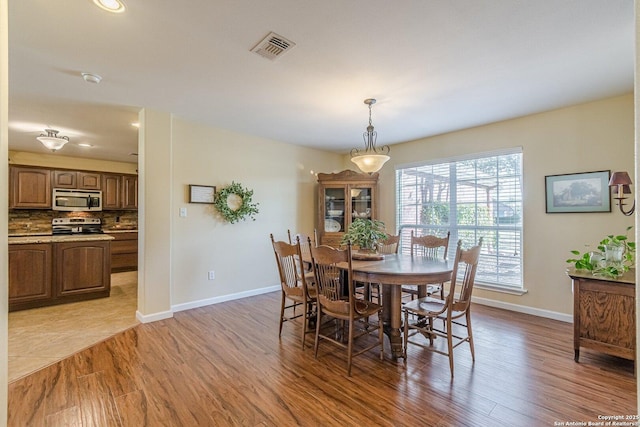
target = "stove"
x: 76, y: 226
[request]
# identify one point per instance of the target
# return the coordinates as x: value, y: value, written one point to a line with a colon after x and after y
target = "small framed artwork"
x: 201, y: 193
x: 578, y: 192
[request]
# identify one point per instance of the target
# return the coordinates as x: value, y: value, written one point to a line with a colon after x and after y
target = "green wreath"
x: 245, y: 205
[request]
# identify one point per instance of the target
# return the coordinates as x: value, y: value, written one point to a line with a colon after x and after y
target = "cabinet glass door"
x: 361, y: 203
x: 334, y: 210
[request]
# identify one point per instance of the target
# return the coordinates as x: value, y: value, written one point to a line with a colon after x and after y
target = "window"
x: 472, y: 197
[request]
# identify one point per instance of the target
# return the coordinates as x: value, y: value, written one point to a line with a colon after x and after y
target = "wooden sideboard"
x: 604, y: 314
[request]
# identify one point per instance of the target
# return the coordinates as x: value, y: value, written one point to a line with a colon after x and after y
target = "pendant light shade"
x: 52, y: 141
x: 372, y: 158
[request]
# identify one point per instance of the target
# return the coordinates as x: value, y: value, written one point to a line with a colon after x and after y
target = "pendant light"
x: 52, y: 141
x: 372, y: 158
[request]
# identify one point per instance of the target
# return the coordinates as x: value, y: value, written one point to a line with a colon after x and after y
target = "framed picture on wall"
x: 201, y: 193
x: 578, y: 192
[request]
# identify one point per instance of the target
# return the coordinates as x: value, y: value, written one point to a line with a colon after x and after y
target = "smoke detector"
x: 273, y: 46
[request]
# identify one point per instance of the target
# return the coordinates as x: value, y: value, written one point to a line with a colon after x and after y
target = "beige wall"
x: 282, y: 178
x: 4, y: 206
x: 154, y: 215
x: 588, y: 137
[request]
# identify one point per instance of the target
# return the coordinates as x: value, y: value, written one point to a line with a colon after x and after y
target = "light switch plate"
x: 183, y: 212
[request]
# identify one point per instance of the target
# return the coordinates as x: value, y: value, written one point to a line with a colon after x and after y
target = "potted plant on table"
x: 365, y: 234
x: 614, y: 257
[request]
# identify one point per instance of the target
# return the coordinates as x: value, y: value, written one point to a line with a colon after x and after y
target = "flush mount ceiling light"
x: 91, y: 78
x: 114, y: 6
x: 52, y: 141
x: 372, y: 158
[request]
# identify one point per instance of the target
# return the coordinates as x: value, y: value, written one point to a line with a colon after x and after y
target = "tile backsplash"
x: 39, y: 221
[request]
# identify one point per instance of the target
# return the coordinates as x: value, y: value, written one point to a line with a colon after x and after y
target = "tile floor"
x: 42, y: 336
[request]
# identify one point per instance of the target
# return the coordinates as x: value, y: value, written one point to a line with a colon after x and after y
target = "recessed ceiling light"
x: 135, y: 124
x: 91, y: 78
x: 115, y: 6
x: 84, y: 144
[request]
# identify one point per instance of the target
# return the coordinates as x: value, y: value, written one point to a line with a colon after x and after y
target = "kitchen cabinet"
x: 343, y: 197
x: 129, y: 192
x: 604, y: 314
x: 81, y: 269
x: 77, y: 180
x: 124, y: 251
x: 119, y: 192
x: 48, y: 270
x: 30, y: 268
x: 29, y: 187
x: 111, y: 191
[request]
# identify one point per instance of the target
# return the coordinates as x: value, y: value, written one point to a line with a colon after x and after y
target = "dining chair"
x: 306, y: 241
x: 431, y: 247
x: 296, y: 291
x: 454, y: 310
x: 337, y: 300
x: 390, y: 245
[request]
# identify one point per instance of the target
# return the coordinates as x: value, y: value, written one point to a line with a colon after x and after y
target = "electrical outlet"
x: 212, y: 275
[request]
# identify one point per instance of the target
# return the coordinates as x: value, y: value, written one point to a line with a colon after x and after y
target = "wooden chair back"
x: 390, y: 245
x: 305, y: 242
x: 430, y: 246
x: 466, y: 262
x: 334, y: 285
x: 292, y: 278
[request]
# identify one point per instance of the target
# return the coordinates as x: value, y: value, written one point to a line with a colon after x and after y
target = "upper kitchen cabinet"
x: 129, y: 191
x: 119, y: 192
x: 343, y: 197
x: 29, y: 187
x: 77, y: 180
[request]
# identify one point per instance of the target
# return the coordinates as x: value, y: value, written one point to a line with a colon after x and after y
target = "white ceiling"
x: 434, y: 66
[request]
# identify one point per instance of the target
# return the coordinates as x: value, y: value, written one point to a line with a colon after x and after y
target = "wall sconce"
x: 622, y: 182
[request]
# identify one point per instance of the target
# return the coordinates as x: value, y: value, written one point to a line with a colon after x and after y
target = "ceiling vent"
x: 273, y: 46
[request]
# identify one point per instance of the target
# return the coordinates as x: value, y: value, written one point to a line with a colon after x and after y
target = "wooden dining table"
x: 392, y: 272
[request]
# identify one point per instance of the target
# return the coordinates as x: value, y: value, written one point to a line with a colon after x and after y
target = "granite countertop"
x: 119, y: 230
x: 48, y: 238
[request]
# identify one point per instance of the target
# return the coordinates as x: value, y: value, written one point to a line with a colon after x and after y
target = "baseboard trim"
x: 223, y: 298
x: 563, y: 317
x: 524, y: 309
x: 148, y: 318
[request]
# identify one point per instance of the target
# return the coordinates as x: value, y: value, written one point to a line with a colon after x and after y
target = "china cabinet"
x: 343, y: 197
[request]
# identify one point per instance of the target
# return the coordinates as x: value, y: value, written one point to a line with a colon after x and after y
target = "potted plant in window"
x: 365, y: 234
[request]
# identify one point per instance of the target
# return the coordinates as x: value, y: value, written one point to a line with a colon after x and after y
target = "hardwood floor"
x: 224, y: 365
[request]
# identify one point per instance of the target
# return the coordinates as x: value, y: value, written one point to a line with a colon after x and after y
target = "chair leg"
x: 468, y: 315
x: 450, y: 343
x: 431, y: 329
x: 305, y: 319
x: 281, y: 313
x: 318, y: 322
x: 350, y: 347
x: 406, y: 336
x: 381, y: 336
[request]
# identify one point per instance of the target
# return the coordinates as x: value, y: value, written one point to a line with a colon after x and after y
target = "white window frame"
x: 494, y: 201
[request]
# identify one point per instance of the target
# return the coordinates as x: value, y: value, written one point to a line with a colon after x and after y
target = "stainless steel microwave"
x: 76, y: 200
